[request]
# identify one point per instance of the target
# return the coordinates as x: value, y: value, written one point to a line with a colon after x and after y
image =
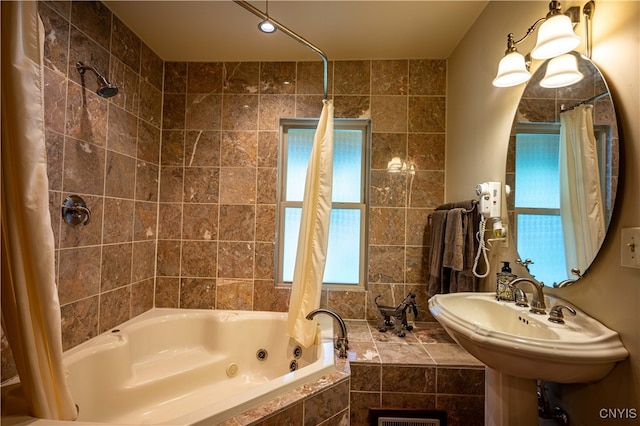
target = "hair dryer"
x: 490, y: 205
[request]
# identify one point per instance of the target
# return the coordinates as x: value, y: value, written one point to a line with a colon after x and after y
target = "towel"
x: 453, y: 248
x: 436, y: 243
x: 464, y: 279
x: 454, y: 240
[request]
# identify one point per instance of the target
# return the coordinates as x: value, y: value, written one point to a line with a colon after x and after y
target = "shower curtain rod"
x: 291, y: 34
x: 586, y: 101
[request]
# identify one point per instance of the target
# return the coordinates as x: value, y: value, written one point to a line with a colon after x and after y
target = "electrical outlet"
x: 630, y: 248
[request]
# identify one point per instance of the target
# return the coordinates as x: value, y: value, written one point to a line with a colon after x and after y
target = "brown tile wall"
x: 458, y: 391
x: 218, y: 176
x: 107, y: 151
x: 179, y: 171
x: 425, y: 369
x: 324, y: 402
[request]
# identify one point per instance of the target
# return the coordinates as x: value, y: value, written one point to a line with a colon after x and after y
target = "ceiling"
x: 220, y: 30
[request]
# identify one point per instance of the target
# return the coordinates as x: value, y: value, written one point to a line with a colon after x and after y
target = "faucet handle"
x: 520, y: 297
x: 556, y: 313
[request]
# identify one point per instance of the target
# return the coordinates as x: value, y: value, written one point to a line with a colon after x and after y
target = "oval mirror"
x: 562, y: 166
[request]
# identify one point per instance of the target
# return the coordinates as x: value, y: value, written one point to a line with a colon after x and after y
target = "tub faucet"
x: 342, y: 344
x: 537, y: 304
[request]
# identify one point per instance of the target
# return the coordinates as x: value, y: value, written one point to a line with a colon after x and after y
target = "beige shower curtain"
x: 314, y: 232
x: 30, y: 308
x: 581, y: 208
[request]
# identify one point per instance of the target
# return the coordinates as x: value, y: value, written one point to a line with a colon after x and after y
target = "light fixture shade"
x: 267, y: 26
x: 395, y: 165
x: 555, y: 37
x: 561, y: 71
x: 512, y: 70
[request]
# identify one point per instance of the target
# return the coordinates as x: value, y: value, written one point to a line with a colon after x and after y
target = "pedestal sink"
x: 521, y: 347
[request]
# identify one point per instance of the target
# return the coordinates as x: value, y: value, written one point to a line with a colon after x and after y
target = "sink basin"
x: 516, y: 342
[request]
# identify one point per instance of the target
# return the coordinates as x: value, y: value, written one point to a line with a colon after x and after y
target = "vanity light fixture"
x: 513, y: 68
x: 555, y: 37
x: 267, y: 26
x: 397, y: 165
x: 561, y: 71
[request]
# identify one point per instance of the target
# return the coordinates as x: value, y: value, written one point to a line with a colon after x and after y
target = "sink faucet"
x: 342, y: 344
x: 537, y: 304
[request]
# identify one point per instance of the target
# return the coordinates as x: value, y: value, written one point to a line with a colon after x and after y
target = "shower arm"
x: 291, y: 34
x: 82, y: 68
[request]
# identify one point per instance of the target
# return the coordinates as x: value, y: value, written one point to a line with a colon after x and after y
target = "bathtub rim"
x: 326, y: 359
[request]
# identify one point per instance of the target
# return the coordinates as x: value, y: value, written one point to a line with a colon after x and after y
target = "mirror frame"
x: 542, y: 105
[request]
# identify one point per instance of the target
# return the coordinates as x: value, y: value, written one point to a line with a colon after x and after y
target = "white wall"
x: 479, y: 122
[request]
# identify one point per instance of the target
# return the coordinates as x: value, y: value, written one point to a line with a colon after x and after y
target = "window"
x: 537, y: 198
x: 537, y: 204
x: 346, y: 254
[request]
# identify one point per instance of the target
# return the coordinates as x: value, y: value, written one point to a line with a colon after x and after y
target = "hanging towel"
x: 453, y: 248
x: 454, y: 240
x: 313, y: 238
x: 436, y: 242
x: 463, y: 279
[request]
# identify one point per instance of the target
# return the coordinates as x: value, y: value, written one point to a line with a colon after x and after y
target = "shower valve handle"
x: 75, y: 211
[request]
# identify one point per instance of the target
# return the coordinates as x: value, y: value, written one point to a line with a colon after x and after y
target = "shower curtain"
x: 581, y: 208
x: 314, y: 232
x: 30, y: 308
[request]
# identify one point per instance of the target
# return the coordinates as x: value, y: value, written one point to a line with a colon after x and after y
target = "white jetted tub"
x: 184, y: 367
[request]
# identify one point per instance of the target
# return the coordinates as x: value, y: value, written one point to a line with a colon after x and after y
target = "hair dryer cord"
x: 482, y: 249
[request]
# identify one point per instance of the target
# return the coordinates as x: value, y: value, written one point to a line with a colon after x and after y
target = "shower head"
x: 105, y: 89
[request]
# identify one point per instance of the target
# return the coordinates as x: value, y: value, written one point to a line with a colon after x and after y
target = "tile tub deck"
x: 425, y: 369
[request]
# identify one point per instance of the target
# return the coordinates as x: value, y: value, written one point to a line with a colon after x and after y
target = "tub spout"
x: 342, y: 343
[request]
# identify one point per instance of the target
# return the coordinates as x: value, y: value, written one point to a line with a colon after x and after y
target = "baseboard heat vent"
x: 407, y: 417
x: 397, y: 421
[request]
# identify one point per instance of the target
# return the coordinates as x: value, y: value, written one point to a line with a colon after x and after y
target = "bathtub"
x: 190, y: 367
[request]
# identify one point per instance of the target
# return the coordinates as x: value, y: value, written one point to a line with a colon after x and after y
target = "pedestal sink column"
x: 509, y: 400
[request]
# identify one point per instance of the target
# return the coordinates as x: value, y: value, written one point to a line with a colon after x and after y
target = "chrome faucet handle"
x: 75, y: 211
x: 569, y: 281
x: 520, y: 297
x: 556, y: 313
x: 565, y: 283
x: 524, y: 263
